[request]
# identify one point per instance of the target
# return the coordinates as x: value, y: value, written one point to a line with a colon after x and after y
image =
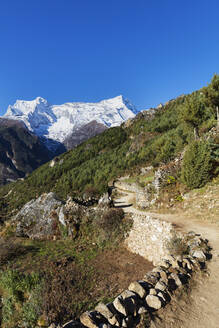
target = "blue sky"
x: 88, y: 50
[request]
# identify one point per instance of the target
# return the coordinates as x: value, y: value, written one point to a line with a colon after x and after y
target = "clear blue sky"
x: 87, y: 50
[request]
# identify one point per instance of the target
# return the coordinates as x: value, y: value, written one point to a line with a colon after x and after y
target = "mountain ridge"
x: 57, y: 122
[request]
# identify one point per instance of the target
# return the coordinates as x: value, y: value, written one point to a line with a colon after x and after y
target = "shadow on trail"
x: 122, y: 206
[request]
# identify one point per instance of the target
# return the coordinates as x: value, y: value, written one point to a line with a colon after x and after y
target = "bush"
x: 111, y: 219
x: 177, y: 245
x: 197, y: 164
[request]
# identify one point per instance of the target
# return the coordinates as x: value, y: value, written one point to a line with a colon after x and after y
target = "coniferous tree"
x: 211, y: 93
x: 193, y: 111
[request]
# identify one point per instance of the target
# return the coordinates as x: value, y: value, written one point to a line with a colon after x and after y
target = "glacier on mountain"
x: 57, y: 122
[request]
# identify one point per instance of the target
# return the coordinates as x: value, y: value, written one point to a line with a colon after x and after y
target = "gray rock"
x: 87, y: 319
x: 175, y: 277
x: 199, y: 254
x: 104, y: 310
x: 142, y: 310
x: 160, y: 285
x: 114, y: 321
x: 40, y: 218
x: 105, y: 200
x: 140, y: 287
x: 119, y: 305
x: 153, y: 302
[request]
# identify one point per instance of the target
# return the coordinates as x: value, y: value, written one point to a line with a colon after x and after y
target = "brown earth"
x: 197, y: 307
x: 117, y: 268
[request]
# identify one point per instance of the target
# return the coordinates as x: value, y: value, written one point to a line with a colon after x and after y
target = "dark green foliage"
x: 197, y: 164
x: 193, y: 112
x: 211, y: 92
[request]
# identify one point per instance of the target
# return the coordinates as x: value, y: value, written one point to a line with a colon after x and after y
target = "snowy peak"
x: 24, y: 107
x: 120, y: 102
x: 57, y: 122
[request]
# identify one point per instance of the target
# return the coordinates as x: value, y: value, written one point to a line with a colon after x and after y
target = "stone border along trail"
x: 153, y: 292
x: 203, y: 312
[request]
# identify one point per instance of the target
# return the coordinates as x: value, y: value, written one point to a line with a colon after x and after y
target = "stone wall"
x: 148, y: 238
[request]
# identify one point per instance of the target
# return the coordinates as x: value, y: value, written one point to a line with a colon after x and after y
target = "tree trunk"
x: 217, y: 118
x: 196, y: 133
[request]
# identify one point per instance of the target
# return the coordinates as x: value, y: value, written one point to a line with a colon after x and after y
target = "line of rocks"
x: 151, y: 293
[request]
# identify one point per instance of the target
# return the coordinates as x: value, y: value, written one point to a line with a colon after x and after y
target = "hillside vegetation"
x: 123, y: 149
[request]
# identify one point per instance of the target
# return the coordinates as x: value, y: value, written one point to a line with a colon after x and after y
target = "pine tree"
x: 211, y: 93
x: 193, y: 111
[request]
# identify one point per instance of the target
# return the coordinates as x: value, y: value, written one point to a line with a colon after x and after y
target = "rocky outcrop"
x: 48, y: 217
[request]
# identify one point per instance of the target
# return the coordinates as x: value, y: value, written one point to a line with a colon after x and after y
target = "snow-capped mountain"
x: 56, y: 122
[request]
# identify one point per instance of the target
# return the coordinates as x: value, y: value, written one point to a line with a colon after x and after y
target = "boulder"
x: 39, y: 217
x: 48, y: 216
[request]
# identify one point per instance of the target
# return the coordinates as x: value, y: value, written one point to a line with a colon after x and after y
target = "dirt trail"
x: 200, y: 309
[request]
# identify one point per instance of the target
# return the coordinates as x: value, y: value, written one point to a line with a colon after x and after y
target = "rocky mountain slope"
x: 20, y: 151
x: 53, y: 129
x: 56, y: 123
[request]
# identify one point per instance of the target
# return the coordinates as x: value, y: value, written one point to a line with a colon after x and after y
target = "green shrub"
x: 197, y: 164
x: 111, y: 219
x: 177, y: 245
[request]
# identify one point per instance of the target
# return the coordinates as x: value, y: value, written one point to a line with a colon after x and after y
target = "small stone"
x: 152, y: 277
x: 166, y: 264
x: 113, y: 321
x: 153, y: 291
x: 199, y: 255
x: 118, y: 304
x: 142, y: 310
x: 138, y: 288
x: 153, y: 302
x: 175, y: 277
x: 127, y: 293
x: 187, y: 264
x: 160, y: 285
x: 163, y: 275
x: 87, y: 320
x: 161, y: 296
x: 104, y: 310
